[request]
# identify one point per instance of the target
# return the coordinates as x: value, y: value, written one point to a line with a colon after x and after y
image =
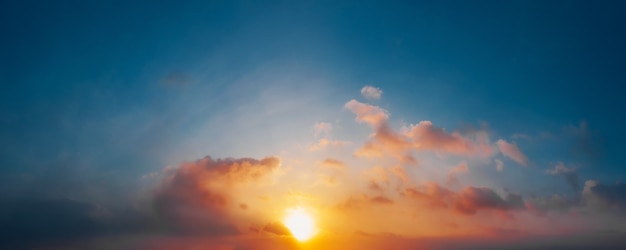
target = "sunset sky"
x: 312, y: 125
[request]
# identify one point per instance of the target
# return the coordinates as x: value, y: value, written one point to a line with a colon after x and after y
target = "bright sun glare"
x: 300, y: 223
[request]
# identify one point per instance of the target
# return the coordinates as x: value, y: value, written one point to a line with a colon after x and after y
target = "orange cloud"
x: 425, y: 136
x: 372, y: 115
x: 194, y: 197
x: 419, y: 137
x: 324, y: 143
x: 334, y: 164
x: 460, y: 168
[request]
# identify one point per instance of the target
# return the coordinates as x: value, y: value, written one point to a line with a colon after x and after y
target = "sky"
x: 386, y: 124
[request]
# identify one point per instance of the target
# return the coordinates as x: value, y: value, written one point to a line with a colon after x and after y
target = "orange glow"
x: 300, y: 223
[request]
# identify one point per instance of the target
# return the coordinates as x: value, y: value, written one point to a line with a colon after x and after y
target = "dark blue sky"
x: 97, y: 94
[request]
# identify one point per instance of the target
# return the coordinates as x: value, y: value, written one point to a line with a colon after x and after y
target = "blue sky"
x: 98, y: 95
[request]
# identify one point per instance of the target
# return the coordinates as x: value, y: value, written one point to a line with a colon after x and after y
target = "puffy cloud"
x: 569, y: 174
x: 422, y: 136
x: 193, y: 197
x: 425, y: 136
x: 370, y: 92
x: 372, y: 115
x: 512, y: 151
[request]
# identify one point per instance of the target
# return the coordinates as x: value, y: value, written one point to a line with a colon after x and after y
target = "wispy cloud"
x: 512, y: 151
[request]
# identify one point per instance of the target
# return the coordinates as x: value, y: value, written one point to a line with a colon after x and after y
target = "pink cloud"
x: 512, y: 151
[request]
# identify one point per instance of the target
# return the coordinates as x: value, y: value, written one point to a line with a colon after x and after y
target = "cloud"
x: 612, y: 195
x: 362, y: 202
x: 322, y: 128
x: 472, y: 199
x: 276, y: 228
x: 419, y: 137
x: 324, y: 143
x: 372, y: 93
x: 542, y: 205
x: 460, y: 168
x: 381, y: 200
x: 193, y: 197
x: 334, y: 164
x: 468, y: 201
x: 512, y: 151
x: 425, y: 136
x: 372, y: 115
x: 569, y: 174
x: 499, y: 165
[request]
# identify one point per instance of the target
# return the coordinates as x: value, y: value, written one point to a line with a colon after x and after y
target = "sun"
x: 300, y: 223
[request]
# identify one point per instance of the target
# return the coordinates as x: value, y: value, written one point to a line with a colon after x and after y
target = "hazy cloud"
x: 569, y: 174
x: 322, y: 128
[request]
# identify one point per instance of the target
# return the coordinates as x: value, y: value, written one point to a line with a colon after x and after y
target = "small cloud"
x: 322, y: 128
x: 381, y: 200
x: 276, y: 228
x: 371, y: 92
x: 374, y: 186
x: 512, y: 151
x: 499, y: 165
x: 334, y: 164
x: 370, y: 114
x: 324, y: 143
x: 570, y: 174
x: 426, y: 136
